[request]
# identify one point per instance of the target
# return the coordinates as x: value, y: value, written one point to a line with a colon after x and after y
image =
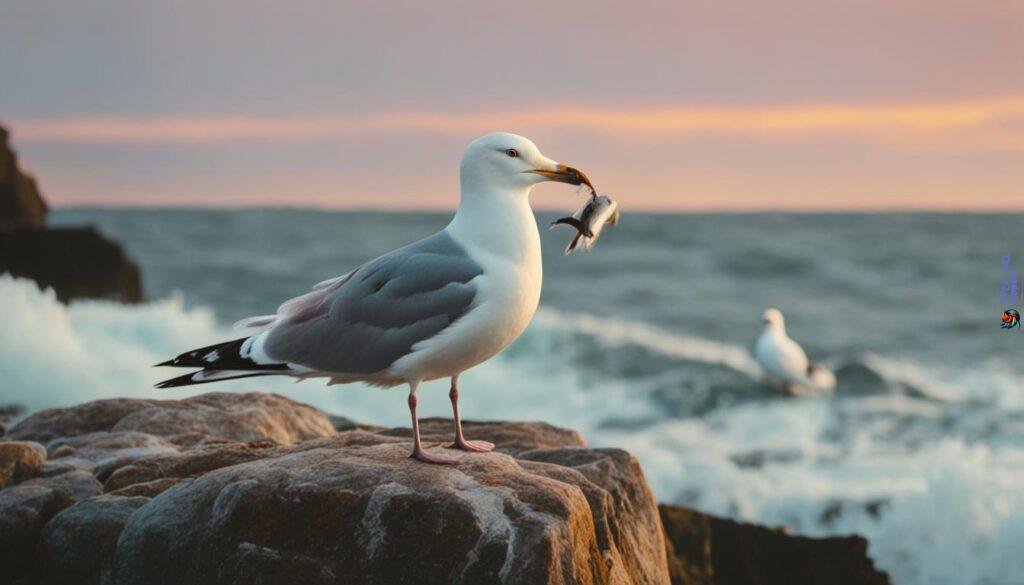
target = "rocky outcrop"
x: 706, y: 550
x: 21, y: 205
x: 256, y: 488
x: 77, y: 262
x: 20, y: 460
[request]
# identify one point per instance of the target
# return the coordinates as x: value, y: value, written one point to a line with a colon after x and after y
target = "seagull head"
x: 773, y: 318
x: 504, y: 161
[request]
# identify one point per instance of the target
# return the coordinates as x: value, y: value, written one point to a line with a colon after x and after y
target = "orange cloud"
x: 983, y: 122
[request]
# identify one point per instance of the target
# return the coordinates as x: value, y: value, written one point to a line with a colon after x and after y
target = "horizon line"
x: 545, y: 209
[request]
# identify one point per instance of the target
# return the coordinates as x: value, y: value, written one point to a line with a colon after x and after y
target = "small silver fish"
x: 589, y: 220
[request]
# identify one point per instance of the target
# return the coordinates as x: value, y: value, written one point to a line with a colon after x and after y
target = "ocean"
x: 644, y: 343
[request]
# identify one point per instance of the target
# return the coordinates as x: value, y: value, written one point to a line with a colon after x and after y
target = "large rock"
x: 24, y: 510
x: 213, y: 417
x: 256, y: 488
x: 88, y: 417
x: 356, y: 509
x: 77, y: 546
x: 21, y: 205
x: 76, y: 262
x: 20, y: 460
x: 706, y: 550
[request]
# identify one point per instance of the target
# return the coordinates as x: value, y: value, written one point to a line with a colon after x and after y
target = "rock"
x: 355, y: 509
x: 150, y: 489
x: 89, y: 417
x: 77, y: 546
x: 21, y: 205
x: 109, y: 451
x: 230, y: 417
x: 704, y: 549
x: 508, y: 437
x: 621, y: 505
x: 256, y: 488
x: 20, y: 460
x: 80, y: 483
x: 65, y: 464
x: 191, y: 463
x: 343, y: 423
x: 76, y: 262
x: 213, y: 417
x: 24, y: 510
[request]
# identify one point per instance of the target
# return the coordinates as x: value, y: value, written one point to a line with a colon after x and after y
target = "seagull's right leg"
x: 418, y: 452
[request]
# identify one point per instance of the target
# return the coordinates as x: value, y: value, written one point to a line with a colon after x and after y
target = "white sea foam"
x: 918, y: 474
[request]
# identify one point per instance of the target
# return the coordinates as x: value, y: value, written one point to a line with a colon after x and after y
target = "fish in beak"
x: 565, y: 174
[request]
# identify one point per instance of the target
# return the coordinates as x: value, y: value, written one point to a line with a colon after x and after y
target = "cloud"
x: 992, y: 123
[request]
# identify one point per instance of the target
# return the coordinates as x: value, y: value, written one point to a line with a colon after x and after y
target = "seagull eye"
x: 512, y: 152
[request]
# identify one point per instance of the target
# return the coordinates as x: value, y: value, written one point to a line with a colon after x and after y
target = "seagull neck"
x: 500, y: 222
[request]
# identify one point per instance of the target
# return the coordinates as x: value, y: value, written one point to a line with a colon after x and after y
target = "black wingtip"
x: 167, y: 363
x: 185, y: 380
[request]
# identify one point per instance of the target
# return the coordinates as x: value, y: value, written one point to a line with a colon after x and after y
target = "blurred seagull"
x: 432, y: 309
x: 785, y: 361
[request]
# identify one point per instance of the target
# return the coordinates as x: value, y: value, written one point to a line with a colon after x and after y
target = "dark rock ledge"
x: 256, y: 488
x: 76, y: 262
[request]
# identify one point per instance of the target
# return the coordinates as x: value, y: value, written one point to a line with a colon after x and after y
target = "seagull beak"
x: 565, y: 174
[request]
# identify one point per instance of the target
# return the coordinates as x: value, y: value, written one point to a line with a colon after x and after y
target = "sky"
x: 804, y: 105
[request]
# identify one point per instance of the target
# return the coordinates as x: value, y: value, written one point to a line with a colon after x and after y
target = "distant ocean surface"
x: 644, y: 343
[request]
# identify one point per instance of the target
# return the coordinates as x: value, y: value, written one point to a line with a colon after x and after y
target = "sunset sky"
x: 733, y: 105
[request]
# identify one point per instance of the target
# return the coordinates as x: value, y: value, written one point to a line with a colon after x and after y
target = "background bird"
x: 432, y: 309
x: 786, y: 362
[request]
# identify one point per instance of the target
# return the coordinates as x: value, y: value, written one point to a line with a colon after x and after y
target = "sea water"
x: 644, y: 343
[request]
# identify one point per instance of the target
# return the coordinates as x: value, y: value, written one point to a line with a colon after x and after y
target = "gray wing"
x: 362, y: 322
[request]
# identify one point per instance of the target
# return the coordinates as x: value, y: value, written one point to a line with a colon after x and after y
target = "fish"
x: 589, y: 220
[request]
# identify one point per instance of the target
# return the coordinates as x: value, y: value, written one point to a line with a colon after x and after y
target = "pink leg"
x: 418, y: 452
x: 460, y: 440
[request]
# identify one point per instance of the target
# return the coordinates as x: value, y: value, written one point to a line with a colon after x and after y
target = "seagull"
x: 432, y: 309
x: 785, y: 361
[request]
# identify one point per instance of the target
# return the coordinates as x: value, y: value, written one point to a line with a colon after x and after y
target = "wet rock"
x: 704, y: 549
x: 20, y: 460
x: 24, y: 510
x: 358, y: 510
x: 77, y: 546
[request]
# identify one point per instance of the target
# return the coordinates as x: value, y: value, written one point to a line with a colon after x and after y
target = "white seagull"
x: 432, y: 309
x: 785, y: 361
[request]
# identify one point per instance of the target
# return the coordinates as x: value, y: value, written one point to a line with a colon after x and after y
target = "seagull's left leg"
x: 460, y: 440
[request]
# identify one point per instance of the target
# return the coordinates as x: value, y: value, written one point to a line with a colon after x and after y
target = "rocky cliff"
x: 21, y: 204
x: 76, y: 262
x: 255, y: 488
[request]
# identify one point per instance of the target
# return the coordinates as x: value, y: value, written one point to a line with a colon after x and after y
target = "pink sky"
x: 684, y: 106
